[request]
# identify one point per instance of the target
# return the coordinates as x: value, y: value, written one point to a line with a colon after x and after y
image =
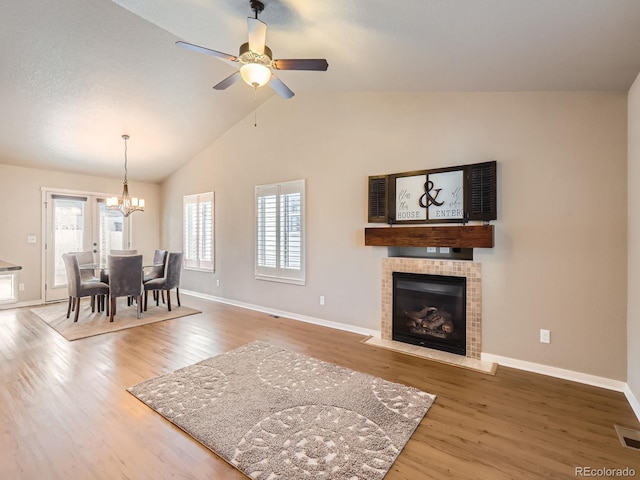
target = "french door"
x: 77, y: 222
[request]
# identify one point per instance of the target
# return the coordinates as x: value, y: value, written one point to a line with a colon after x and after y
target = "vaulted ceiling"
x: 77, y: 74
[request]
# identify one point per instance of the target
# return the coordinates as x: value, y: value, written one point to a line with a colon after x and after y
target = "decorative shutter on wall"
x: 483, y: 186
x: 378, y: 204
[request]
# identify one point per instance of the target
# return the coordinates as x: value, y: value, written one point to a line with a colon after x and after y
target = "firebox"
x: 430, y: 310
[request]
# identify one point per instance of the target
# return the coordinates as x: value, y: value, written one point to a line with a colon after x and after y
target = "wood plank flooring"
x: 65, y: 413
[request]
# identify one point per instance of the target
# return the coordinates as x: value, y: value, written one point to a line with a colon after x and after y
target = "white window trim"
x: 277, y: 273
x: 198, y: 264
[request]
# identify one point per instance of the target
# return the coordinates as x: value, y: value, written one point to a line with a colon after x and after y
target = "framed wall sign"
x: 444, y: 195
x: 408, y: 191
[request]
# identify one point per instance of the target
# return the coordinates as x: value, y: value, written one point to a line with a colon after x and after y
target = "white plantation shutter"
x: 267, y: 229
x: 205, y: 223
x: 198, y: 231
x: 280, y: 232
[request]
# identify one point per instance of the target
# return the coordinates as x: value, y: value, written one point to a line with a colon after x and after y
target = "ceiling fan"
x: 257, y: 59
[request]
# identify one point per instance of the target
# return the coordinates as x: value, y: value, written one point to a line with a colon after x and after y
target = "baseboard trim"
x: 633, y: 401
x: 574, y: 376
x: 281, y: 313
x: 30, y: 303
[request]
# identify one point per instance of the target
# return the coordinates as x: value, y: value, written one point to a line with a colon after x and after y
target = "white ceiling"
x: 77, y: 74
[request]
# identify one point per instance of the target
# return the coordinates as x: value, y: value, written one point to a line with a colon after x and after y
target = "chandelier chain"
x: 125, y: 137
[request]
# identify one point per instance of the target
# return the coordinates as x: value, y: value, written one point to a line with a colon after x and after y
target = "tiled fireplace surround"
x: 470, y: 270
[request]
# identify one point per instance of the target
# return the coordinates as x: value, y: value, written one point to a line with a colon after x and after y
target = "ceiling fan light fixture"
x: 255, y: 74
x: 256, y: 59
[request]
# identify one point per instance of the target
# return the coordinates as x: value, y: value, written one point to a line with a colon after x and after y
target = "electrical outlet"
x: 431, y: 249
x: 321, y: 299
x: 21, y: 287
x: 545, y: 336
x: 445, y: 250
x: 31, y: 239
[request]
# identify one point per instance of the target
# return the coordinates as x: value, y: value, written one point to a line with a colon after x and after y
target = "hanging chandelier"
x: 125, y: 204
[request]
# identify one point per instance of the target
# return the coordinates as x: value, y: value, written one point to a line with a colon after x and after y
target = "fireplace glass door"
x: 430, y: 310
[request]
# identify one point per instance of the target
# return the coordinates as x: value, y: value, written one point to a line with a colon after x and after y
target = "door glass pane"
x: 68, y: 233
x: 110, y: 231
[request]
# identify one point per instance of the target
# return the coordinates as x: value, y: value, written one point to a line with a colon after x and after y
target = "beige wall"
x: 633, y: 286
x: 560, y: 257
x: 21, y: 216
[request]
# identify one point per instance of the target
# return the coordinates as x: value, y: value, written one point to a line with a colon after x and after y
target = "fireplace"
x: 468, y: 270
x: 430, y: 311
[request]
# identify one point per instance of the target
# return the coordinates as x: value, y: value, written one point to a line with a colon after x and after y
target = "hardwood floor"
x: 65, y: 413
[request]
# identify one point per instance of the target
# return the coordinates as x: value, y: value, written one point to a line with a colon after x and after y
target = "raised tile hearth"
x: 470, y: 270
x: 473, y: 274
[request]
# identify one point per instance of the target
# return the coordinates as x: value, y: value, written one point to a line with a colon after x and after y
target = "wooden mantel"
x: 469, y: 236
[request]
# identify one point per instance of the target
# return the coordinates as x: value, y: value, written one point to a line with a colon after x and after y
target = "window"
x: 280, y: 232
x: 8, y: 288
x: 198, y: 232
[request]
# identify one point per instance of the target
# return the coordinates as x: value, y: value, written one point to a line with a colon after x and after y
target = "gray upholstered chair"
x: 157, y: 271
x: 78, y: 289
x: 159, y: 263
x: 123, y: 252
x: 125, y: 280
x: 86, y: 274
x: 104, y: 275
x: 170, y: 280
x: 86, y: 258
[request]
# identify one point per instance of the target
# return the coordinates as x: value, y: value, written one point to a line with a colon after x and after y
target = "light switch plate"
x: 545, y: 336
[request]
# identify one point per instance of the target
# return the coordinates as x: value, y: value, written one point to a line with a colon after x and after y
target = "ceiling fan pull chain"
x: 255, y: 106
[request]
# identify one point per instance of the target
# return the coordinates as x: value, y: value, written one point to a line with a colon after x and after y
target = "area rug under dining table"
x: 97, y: 323
x: 276, y: 414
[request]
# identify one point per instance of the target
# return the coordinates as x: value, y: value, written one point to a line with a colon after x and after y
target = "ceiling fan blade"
x: 257, y: 35
x: 227, y: 82
x: 280, y: 88
x: 208, y: 51
x: 318, y: 64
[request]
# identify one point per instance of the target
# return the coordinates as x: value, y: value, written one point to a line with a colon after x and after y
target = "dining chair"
x: 170, y: 280
x: 157, y: 271
x: 78, y: 289
x: 123, y: 252
x: 86, y: 258
x: 86, y: 274
x: 125, y: 280
x: 104, y: 274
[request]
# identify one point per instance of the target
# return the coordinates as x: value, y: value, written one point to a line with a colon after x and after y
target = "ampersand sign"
x: 430, y: 200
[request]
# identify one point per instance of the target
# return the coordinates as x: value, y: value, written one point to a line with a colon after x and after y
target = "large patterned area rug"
x: 275, y: 414
x: 90, y: 324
